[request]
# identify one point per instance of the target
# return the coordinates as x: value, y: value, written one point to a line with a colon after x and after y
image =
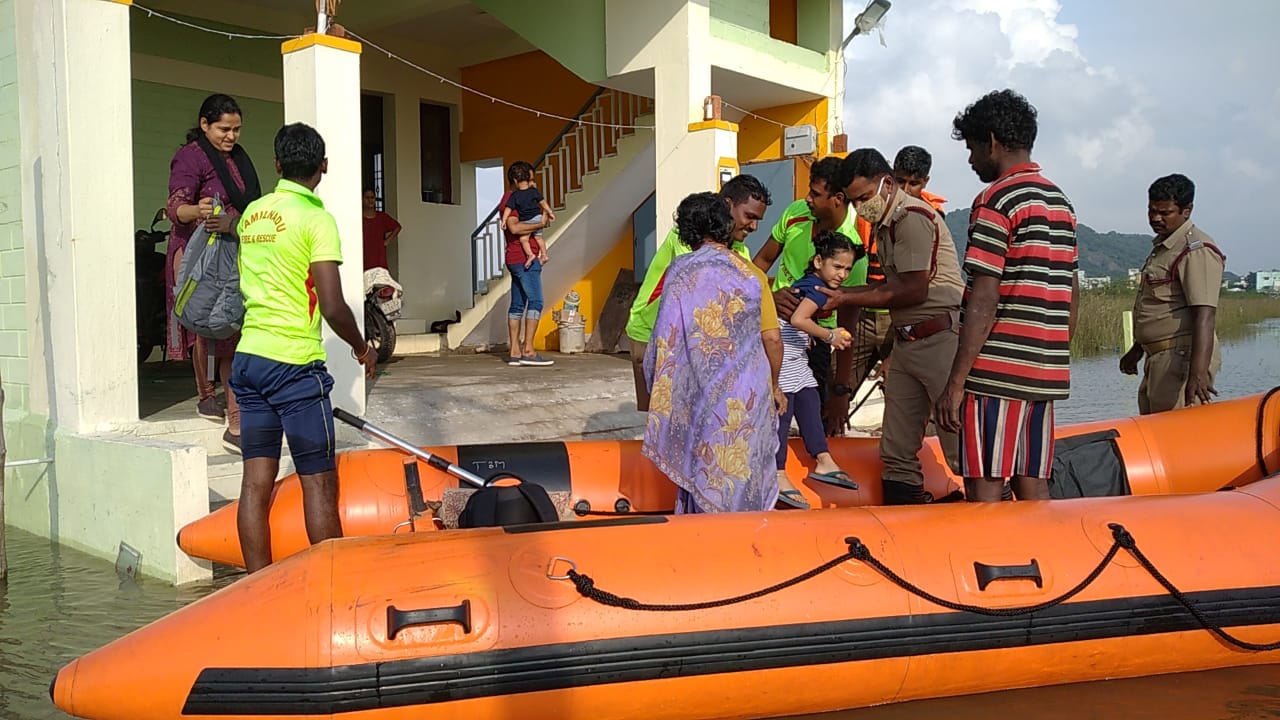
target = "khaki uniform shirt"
x: 1165, y: 296
x: 909, y: 242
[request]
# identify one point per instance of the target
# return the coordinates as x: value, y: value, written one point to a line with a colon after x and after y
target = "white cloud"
x: 1119, y: 104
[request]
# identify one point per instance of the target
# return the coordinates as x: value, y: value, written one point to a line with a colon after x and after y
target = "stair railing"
x: 577, y: 150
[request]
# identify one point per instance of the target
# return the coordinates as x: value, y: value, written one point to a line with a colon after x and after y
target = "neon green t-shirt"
x: 644, y: 311
x: 794, y: 232
x: 281, y: 234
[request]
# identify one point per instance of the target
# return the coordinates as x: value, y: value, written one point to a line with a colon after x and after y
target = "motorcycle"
x: 149, y: 287
x: 383, y: 299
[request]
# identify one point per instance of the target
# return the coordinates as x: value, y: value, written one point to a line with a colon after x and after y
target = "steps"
x: 227, y: 469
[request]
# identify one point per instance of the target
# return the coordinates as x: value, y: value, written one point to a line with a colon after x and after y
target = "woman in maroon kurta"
x: 210, y: 163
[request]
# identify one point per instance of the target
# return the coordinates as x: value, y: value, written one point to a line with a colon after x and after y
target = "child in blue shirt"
x: 834, y: 257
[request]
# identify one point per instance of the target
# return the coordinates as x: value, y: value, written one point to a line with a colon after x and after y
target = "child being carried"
x: 834, y: 258
x: 530, y: 207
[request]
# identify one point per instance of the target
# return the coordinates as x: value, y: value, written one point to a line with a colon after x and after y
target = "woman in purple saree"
x: 713, y: 413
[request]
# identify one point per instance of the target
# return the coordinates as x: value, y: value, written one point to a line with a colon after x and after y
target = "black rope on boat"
x: 1123, y: 536
x: 1262, y: 412
x: 860, y: 552
x: 586, y: 587
x: 863, y: 554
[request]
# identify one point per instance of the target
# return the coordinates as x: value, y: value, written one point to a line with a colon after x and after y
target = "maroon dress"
x: 192, y: 178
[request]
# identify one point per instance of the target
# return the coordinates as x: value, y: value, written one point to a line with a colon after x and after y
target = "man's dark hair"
x: 519, y: 170
x: 913, y: 161
x: 863, y: 163
x: 1003, y: 114
x: 828, y: 171
x: 704, y: 215
x: 1175, y: 187
x: 300, y: 151
x: 742, y: 188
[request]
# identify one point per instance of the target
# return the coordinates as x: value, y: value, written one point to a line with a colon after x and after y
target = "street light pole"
x: 867, y: 20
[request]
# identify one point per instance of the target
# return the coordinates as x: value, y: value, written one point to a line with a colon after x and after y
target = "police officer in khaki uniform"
x: 1173, y: 316
x: 922, y: 290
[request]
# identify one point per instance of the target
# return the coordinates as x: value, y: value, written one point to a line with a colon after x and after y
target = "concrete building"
x: 608, y: 97
x: 1267, y: 281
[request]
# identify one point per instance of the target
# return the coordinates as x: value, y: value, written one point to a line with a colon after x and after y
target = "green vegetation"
x: 1108, y: 254
x: 1099, y: 327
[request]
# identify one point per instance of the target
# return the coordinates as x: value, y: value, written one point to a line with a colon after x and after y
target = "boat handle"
x: 988, y: 574
x: 413, y: 486
x: 398, y: 620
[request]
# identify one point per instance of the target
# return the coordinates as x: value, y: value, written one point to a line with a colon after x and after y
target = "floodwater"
x: 59, y: 603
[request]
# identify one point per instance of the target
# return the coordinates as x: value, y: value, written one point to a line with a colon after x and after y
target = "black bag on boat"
x: 501, y: 505
x: 1088, y: 465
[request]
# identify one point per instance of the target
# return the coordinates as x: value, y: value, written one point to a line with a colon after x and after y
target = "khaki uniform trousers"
x: 912, y: 386
x: 1164, y: 376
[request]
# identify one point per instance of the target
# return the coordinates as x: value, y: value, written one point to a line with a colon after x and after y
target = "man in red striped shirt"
x: 1019, y: 309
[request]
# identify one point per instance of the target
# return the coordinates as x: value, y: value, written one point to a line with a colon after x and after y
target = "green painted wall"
x: 13, y: 290
x: 571, y: 31
x: 783, y: 51
x: 750, y: 14
x: 155, y: 36
x: 161, y: 116
x: 813, y: 24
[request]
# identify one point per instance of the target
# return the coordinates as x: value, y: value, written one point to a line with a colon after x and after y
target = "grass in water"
x: 1099, y: 324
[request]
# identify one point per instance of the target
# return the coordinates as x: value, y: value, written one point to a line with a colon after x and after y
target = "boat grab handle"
x: 398, y: 620
x: 988, y: 574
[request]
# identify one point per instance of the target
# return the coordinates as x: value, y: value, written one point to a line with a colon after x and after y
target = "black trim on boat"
x: 403, y: 683
x: 540, y: 463
x: 583, y: 524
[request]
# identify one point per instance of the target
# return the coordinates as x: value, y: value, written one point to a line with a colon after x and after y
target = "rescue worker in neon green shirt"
x: 748, y: 199
x: 791, y: 245
x: 289, y: 257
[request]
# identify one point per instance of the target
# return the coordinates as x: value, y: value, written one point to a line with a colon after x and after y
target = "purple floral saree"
x: 712, y: 427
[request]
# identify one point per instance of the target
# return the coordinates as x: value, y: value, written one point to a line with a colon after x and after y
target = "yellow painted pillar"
x: 322, y: 89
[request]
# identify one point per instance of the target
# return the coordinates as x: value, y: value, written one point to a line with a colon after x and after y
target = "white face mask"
x: 872, y: 209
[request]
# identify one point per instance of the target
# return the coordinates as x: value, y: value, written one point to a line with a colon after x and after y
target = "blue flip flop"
x: 792, y: 499
x: 839, y: 478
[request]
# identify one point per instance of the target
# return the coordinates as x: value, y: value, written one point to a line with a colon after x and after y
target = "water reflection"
x: 1099, y: 391
x: 58, y: 604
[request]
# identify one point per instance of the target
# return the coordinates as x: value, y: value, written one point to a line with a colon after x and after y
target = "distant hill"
x: 1101, y: 254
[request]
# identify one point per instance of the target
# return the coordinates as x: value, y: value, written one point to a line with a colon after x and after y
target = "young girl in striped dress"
x: 834, y: 256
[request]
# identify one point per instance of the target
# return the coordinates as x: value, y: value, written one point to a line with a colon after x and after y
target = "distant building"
x: 1093, y: 283
x: 1267, y: 281
x: 1135, y: 274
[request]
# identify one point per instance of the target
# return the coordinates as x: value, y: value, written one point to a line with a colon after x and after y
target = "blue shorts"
x: 281, y: 400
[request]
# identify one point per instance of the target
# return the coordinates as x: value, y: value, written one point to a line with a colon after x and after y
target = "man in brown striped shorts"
x: 1014, y: 356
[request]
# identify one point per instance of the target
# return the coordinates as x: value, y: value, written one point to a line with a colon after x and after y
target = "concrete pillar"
x: 322, y: 89
x: 681, y: 80
x: 77, y: 210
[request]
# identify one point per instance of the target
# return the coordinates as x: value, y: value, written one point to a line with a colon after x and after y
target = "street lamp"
x: 867, y: 20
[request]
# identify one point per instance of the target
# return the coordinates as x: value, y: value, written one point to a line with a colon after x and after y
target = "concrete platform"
x: 477, y: 398
x: 442, y: 400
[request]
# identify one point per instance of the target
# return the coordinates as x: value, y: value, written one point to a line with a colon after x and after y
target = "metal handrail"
x: 537, y: 164
x: 575, y: 151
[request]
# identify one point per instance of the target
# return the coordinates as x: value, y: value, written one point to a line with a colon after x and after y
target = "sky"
x: 1126, y: 90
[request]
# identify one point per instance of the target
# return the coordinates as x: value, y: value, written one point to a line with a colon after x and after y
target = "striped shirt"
x: 1022, y: 230
x: 795, y: 375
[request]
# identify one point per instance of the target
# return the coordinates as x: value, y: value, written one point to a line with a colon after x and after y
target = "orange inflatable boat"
x: 735, y: 615
x: 1225, y: 444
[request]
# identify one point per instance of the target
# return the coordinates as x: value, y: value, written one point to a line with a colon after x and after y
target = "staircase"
x: 580, y: 174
